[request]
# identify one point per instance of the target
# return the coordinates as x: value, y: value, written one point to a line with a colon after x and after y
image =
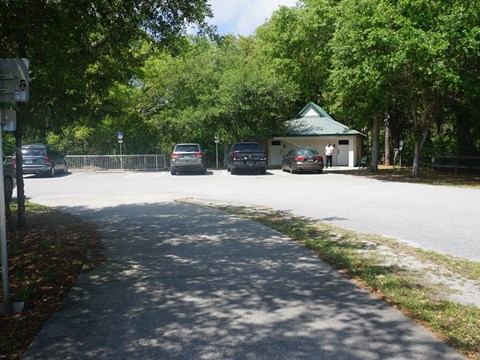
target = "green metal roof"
x: 314, y: 121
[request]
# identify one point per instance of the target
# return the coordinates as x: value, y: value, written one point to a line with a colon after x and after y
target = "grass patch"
x: 367, y: 259
x: 44, y: 260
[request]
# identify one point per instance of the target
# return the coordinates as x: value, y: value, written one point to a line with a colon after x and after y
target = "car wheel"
x: 291, y: 169
x: 173, y: 172
x: 8, y: 186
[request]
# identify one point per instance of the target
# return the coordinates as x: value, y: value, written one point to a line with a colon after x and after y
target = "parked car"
x: 9, y: 179
x: 303, y: 160
x: 247, y: 156
x: 40, y: 159
x: 188, y: 158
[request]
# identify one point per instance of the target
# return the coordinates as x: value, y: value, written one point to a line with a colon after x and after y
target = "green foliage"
x: 295, y: 41
x: 80, y: 50
x: 214, y: 88
x: 415, y: 60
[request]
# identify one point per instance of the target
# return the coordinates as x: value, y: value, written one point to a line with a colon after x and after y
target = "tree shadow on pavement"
x: 189, y: 282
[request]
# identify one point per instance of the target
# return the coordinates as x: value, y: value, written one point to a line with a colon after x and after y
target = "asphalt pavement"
x: 438, y: 218
x: 189, y: 282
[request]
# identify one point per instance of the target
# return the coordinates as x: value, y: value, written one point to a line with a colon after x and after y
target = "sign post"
x: 217, y: 140
x: 120, y: 142
x: 401, y: 148
x: 3, y: 234
x: 13, y: 88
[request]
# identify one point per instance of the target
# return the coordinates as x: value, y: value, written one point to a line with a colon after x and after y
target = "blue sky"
x: 242, y: 17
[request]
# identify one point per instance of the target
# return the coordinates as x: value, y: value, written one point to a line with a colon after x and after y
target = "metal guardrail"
x: 116, y: 162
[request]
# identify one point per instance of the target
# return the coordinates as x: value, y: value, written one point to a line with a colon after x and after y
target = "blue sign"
x: 120, y: 135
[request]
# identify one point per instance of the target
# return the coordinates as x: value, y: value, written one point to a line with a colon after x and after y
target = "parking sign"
x: 14, y: 80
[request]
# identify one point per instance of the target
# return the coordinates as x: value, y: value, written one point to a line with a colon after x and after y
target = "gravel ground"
x: 449, y: 286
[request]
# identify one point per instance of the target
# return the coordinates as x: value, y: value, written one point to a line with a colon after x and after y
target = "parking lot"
x: 438, y: 218
x: 183, y: 281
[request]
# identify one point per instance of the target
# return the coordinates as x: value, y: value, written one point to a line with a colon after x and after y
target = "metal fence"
x: 116, y: 162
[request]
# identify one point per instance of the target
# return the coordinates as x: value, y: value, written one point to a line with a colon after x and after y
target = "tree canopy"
x: 99, y: 67
x: 79, y: 53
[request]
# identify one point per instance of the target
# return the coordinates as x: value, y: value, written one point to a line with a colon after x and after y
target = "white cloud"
x: 242, y: 17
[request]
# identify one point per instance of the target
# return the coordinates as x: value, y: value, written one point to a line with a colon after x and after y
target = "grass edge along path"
x: 362, y: 258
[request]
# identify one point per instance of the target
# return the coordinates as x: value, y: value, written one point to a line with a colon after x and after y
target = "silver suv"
x: 188, y: 158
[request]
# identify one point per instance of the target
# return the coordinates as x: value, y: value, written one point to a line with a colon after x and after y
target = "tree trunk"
x: 375, y: 144
x: 420, y: 132
x: 416, y: 158
x: 226, y: 149
x: 387, y: 142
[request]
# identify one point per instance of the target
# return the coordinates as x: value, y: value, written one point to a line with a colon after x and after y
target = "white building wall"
x: 285, y: 144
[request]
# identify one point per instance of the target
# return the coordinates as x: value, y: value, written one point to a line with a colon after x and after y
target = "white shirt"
x: 329, y: 150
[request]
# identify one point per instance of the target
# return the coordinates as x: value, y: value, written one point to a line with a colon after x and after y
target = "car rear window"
x: 187, y: 148
x: 308, y: 152
x: 247, y: 147
x: 34, y: 151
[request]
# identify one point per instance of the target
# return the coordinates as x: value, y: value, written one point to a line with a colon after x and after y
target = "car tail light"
x: 198, y: 154
x: 264, y: 156
x: 319, y: 158
x: 13, y: 162
x: 45, y: 160
x: 299, y: 158
x: 175, y: 155
x: 234, y: 156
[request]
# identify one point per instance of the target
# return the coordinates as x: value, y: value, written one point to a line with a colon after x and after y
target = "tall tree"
x: 78, y: 49
x: 364, y: 62
x: 213, y: 88
x: 295, y: 40
x: 459, y: 25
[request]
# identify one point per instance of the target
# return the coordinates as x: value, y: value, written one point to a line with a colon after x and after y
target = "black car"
x: 40, y: 159
x: 247, y: 157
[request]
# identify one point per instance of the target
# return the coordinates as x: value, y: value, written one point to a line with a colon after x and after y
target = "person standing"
x: 329, y: 154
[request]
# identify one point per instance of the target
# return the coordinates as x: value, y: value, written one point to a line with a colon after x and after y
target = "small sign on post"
x: 14, y: 85
x: 120, y: 143
x: 8, y: 120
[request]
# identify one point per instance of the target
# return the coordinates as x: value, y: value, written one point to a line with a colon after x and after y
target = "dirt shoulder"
x: 44, y: 261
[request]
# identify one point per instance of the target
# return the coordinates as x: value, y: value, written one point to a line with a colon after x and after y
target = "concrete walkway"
x: 187, y: 282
